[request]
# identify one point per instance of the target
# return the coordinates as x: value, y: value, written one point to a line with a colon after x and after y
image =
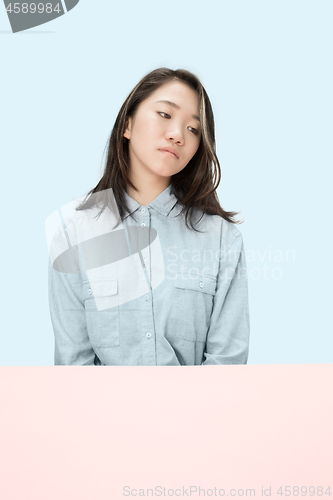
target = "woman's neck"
x: 147, y: 192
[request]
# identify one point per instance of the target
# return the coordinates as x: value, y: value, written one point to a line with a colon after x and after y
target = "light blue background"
x: 267, y: 67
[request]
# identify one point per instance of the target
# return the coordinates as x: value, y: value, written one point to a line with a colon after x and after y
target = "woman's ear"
x: 128, y: 126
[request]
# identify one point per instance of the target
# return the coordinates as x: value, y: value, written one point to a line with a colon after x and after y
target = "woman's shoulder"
x: 220, y: 232
x: 73, y: 224
x: 74, y: 215
x: 208, y: 222
x: 228, y: 230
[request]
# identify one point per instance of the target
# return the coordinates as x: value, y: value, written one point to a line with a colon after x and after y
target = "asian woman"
x: 149, y: 269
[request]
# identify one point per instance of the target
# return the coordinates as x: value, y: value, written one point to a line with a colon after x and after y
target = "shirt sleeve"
x: 228, y: 334
x: 67, y: 311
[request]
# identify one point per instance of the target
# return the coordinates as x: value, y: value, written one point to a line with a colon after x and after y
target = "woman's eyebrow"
x: 173, y: 104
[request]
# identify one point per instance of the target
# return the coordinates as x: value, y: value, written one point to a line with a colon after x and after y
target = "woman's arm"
x: 228, y: 334
x: 72, y: 345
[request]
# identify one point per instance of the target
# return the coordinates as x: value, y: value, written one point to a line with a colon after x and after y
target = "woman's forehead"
x: 179, y: 94
x: 175, y: 87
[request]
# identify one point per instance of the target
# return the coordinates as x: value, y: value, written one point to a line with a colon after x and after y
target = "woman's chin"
x: 164, y: 171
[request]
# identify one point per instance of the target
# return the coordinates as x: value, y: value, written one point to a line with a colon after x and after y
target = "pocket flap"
x: 104, y: 288
x: 195, y: 282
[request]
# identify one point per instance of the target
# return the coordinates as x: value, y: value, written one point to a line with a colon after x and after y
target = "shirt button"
x: 146, y: 297
x: 142, y: 210
x: 148, y: 335
x: 143, y: 224
x: 89, y: 291
x: 201, y: 284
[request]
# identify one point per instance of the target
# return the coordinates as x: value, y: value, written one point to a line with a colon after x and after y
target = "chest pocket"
x: 193, y: 306
x: 195, y: 282
x: 102, y: 314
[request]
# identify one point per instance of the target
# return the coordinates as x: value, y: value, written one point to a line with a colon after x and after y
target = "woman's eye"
x: 166, y: 115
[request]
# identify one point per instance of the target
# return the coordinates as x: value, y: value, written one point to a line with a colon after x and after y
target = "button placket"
x: 147, y: 223
x: 148, y: 328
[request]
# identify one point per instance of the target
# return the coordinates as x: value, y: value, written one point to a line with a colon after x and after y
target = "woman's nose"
x: 175, y: 134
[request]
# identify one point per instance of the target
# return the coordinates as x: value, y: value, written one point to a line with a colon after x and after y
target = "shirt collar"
x: 163, y: 204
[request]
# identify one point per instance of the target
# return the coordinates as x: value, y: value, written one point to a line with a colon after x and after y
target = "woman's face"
x: 167, y: 120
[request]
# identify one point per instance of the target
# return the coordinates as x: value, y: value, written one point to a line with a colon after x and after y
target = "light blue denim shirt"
x: 161, y: 294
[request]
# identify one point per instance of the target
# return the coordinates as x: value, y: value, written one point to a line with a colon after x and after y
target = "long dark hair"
x: 194, y: 186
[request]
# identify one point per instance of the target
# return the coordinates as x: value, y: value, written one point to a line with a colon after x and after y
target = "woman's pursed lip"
x: 170, y: 152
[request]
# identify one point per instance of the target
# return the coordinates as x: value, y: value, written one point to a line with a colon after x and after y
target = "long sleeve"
x: 229, y: 330
x: 72, y: 345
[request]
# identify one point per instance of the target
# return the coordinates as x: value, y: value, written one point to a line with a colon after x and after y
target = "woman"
x: 149, y: 269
